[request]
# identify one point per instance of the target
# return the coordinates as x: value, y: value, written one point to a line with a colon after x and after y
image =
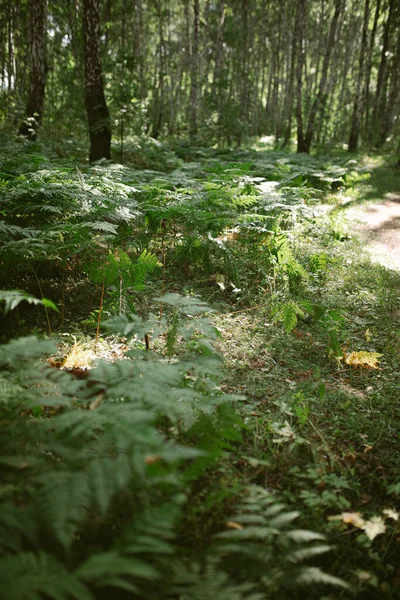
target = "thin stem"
x: 99, y: 316
x: 62, y: 298
x: 163, y: 229
x: 45, y: 308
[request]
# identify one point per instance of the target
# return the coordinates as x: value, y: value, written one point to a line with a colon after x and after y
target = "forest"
x: 199, y: 299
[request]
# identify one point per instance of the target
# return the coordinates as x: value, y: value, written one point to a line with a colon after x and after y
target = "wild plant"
x: 96, y: 481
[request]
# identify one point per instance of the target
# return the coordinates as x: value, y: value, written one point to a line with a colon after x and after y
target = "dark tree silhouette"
x: 96, y: 107
x: 34, y: 112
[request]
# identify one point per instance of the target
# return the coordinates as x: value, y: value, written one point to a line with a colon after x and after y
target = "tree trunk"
x: 34, y: 112
x: 300, y: 20
x: 288, y: 102
x: 11, y: 49
x: 194, y: 74
x: 358, y: 100
x: 380, y: 98
x: 218, y: 67
x: 159, y: 96
x: 369, y: 66
x: 315, y: 107
x: 392, y: 103
x: 96, y: 107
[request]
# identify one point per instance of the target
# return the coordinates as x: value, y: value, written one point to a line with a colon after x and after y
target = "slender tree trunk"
x: 160, y: 88
x: 34, y: 112
x: 358, y: 100
x: 315, y: 107
x: 194, y: 74
x: 300, y: 20
x: 288, y: 105
x: 138, y: 57
x: 217, y: 77
x: 11, y: 50
x: 369, y: 67
x: 96, y: 107
x: 394, y: 90
x: 380, y: 98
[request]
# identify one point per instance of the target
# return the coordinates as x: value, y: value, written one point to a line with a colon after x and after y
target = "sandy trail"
x: 380, y: 226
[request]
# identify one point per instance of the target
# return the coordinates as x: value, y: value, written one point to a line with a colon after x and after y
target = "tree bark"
x: 96, y: 107
x: 218, y: 66
x: 34, y: 112
x: 159, y: 96
x: 380, y: 97
x: 300, y: 20
x: 315, y: 107
x: 392, y: 103
x: 369, y: 66
x: 358, y: 100
x: 194, y: 74
x: 288, y: 102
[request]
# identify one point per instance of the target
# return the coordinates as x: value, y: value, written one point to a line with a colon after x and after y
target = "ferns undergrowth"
x: 99, y: 474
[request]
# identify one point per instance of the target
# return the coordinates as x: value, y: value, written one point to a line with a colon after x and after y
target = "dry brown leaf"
x: 391, y: 514
x: 234, y: 525
x: 374, y: 527
x: 368, y: 335
x: 364, y: 359
x: 153, y: 458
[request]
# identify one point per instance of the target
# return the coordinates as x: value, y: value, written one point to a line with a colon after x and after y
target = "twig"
x: 45, y: 307
x: 246, y: 309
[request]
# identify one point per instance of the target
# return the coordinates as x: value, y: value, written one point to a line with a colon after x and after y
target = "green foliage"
x: 266, y: 545
x: 12, y: 299
x: 287, y: 314
x: 120, y: 483
x: 122, y: 459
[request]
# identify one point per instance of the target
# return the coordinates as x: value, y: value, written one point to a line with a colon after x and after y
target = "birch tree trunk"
x: 316, y: 105
x: 358, y: 100
x: 194, y: 73
x: 380, y: 97
x: 300, y: 20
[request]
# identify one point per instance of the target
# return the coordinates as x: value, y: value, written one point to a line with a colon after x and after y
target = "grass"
x: 327, y: 434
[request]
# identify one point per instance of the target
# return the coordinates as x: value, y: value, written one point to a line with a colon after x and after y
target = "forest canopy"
x: 325, y: 73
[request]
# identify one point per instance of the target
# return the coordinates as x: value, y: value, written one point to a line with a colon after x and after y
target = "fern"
x: 12, y: 299
x: 287, y: 314
x: 263, y: 541
x: 29, y: 576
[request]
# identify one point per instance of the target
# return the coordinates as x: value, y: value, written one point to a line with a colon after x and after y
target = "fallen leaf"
x: 234, y: 525
x: 349, y: 517
x: 149, y: 460
x: 368, y: 335
x: 391, y: 514
x: 367, y: 360
x: 374, y: 527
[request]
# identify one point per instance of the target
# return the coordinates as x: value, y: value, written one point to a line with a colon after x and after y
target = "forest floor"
x: 298, y: 258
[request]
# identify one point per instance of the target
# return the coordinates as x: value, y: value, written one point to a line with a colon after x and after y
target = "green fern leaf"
x: 27, y: 576
x: 314, y: 575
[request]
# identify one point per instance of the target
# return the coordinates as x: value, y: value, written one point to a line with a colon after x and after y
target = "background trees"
x: 220, y: 70
x: 38, y: 67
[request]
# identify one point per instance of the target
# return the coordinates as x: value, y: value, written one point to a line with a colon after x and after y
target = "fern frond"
x: 28, y: 576
x: 314, y: 575
x: 12, y: 298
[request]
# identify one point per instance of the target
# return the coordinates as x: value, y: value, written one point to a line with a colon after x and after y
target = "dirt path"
x: 380, y: 225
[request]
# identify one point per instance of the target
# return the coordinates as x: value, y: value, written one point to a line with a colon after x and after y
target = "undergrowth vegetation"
x: 210, y: 405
